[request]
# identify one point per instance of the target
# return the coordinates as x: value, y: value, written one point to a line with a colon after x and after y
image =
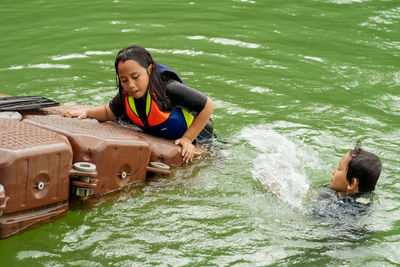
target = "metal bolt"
x: 40, y: 185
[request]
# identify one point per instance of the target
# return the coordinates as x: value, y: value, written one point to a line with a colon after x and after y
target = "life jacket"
x: 171, y: 125
x: 162, y: 68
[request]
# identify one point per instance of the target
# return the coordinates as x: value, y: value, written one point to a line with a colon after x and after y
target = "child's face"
x: 134, y: 78
x: 338, y: 178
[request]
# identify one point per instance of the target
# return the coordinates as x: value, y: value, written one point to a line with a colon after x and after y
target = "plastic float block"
x: 162, y: 150
x: 121, y: 159
x: 34, y: 175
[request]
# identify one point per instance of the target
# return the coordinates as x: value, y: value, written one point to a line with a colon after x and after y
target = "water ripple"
x: 42, y: 66
x: 225, y: 41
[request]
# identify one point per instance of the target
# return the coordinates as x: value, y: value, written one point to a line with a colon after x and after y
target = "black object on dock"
x: 17, y: 103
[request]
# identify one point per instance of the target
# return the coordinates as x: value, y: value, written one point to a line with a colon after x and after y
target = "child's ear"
x: 149, y: 69
x: 353, y: 186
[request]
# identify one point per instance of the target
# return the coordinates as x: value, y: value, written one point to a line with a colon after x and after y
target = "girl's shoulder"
x: 168, y: 76
x: 186, y: 97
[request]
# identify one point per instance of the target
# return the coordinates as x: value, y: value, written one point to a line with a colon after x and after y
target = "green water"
x: 295, y: 84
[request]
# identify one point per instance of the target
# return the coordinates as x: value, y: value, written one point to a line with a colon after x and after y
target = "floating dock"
x: 47, y: 159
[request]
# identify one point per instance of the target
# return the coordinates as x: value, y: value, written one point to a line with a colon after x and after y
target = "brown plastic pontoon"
x: 34, y: 175
x: 121, y: 159
x: 38, y: 155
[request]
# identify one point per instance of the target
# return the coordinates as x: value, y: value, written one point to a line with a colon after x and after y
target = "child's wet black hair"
x: 144, y: 59
x: 364, y: 166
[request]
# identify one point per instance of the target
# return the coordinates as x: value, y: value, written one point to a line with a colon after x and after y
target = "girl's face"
x: 338, y: 178
x: 134, y: 78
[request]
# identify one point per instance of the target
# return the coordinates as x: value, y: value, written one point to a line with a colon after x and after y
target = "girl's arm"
x: 100, y: 113
x: 197, y: 125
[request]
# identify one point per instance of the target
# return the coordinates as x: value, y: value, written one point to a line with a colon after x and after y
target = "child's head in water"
x: 357, y: 172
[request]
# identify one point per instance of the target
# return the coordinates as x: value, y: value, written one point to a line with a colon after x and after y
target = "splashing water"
x: 278, y: 168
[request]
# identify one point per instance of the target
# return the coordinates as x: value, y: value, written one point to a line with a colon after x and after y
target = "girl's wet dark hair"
x: 364, y: 166
x: 143, y: 57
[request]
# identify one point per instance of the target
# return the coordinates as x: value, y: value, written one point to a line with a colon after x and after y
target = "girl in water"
x: 155, y: 98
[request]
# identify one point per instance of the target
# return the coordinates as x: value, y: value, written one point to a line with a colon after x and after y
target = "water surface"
x: 295, y: 84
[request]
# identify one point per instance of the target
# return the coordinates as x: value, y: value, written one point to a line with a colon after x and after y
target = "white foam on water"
x: 116, y: 22
x: 49, y: 66
x: 68, y: 56
x: 128, y: 30
x: 84, y: 55
x: 225, y: 41
x: 82, y: 29
x: 274, y: 67
x: 245, y: 1
x: 34, y: 254
x: 187, y: 52
x: 261, y: 90
x: 187, y: 73
x: 196, y: 37
x: 16, y: 67
x: 98, y: 53
x: 278, y: 168
x: 314, y: 58
x: 176, y: 51
x: 340, y: 2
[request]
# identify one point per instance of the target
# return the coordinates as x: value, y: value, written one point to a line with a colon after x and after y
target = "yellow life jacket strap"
x: 131, y: 102
x: 148, y: 103
x: 188, y: 117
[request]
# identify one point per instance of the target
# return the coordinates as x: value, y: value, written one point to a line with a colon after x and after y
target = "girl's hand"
x: 80, y: 113
x: 187, y: 148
